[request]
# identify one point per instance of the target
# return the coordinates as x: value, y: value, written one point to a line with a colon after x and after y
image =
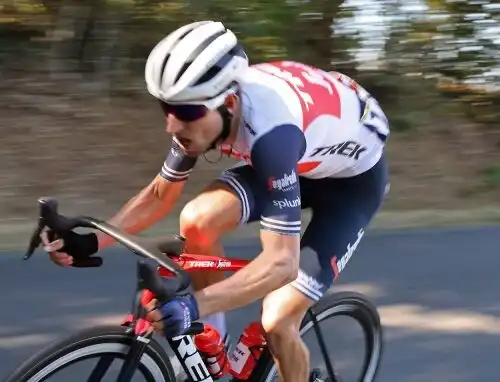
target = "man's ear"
x: 230, y: 102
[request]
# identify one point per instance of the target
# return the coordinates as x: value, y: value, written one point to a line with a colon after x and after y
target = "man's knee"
x: 207, y: 217
x: 195, y: 224
x: 283, y: 311
x: 279, y: 327
x: 283, y: 334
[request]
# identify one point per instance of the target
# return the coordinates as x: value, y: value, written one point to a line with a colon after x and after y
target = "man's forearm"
x: 137, y: 215
x: 142, y: 211
x: 254, y: 281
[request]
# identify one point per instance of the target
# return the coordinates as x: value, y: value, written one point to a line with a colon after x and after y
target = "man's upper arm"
x: 274, y: 157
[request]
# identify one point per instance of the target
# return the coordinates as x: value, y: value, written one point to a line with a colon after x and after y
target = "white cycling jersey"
x: 344, y: 127
x: 301, y: 122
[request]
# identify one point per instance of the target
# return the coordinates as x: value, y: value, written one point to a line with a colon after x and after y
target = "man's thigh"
x: 203, y: 222
x: 326, y: 247
x: 342, y: 209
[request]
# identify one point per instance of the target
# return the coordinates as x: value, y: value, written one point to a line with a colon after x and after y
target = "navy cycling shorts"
x: 341, y: 210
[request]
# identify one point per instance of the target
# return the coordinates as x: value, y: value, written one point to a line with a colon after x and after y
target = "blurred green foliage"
x: 403, y: 51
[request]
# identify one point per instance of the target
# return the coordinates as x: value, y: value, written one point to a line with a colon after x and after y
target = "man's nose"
x: 173, y: 124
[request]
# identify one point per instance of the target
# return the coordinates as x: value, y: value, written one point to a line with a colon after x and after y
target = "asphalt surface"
x: 437, y: 292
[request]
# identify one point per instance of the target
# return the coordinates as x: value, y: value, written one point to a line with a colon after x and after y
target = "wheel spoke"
x: 322, y: 345
x: 101, y: 368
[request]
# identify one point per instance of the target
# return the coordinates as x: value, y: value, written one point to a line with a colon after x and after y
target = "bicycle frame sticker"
x: 190, y: 358
x: 191, y: 262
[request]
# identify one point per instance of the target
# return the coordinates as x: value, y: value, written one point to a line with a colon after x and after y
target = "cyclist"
x: 307, y: 139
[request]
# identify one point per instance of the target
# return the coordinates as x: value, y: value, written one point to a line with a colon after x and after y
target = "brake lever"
x: 58, y: 223
x: 35, y: 240
x: 46, y: 205
x: 49, y: 217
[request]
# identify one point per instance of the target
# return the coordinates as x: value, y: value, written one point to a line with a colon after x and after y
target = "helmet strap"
x: 227, y: 118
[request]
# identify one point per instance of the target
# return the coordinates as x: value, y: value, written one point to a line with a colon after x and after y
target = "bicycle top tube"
x: 154, y: 249
x: 191, y: 262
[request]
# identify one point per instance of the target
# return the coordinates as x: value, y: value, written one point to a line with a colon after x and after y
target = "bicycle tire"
x: 352, y: 304
x: 90, y: 343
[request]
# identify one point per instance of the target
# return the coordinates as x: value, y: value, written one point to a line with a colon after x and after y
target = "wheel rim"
x: 88, y: 351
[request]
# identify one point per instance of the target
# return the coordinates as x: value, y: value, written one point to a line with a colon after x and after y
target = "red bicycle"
x: 132, y: 341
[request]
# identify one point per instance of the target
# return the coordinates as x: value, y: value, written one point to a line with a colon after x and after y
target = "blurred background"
x: 77, y: 122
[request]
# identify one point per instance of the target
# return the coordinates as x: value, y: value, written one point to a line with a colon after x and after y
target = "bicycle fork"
x: 183, y: 346
x: 143, y: 331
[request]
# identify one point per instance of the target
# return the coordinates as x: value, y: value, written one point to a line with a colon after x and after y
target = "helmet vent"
x: 196, y: 52
x: 219, y: 65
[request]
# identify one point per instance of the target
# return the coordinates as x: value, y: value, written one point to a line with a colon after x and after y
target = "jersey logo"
x: 286, y: 183
x: 314, y: 88
x: 372, y: 117
x: 349, y: 149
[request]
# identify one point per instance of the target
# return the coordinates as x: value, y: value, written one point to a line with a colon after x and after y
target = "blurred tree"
x: 106, y: 42
x: 466, y: 54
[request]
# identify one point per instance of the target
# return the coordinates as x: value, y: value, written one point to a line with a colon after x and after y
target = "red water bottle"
x: 245, y: 355
x: 212, y: 348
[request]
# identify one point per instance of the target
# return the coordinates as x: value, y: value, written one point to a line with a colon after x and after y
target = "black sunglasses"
x: 185, y: 113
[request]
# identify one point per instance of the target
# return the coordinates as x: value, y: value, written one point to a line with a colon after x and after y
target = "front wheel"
x: 353, y: 305
x: 103, y: 345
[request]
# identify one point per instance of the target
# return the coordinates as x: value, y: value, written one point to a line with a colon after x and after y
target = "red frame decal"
x: 190, y: 262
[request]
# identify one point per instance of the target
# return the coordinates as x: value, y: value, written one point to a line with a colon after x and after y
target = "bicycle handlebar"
x: 152, y: 249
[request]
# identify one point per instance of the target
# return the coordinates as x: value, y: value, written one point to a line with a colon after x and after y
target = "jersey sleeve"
x: 276, y: 168
x: 178, y: 164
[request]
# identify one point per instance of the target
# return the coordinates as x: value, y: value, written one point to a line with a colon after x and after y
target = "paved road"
x: 437, y: 292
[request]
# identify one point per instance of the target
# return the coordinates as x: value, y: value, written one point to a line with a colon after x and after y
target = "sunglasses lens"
x: 186, y: 113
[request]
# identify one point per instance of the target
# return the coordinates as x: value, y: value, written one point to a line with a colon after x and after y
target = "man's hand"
x: 52, y: 248
x: 173, y: 318
x: 72, y: 246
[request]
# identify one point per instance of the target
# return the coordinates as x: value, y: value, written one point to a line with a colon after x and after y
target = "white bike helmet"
x: 196, y: 64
